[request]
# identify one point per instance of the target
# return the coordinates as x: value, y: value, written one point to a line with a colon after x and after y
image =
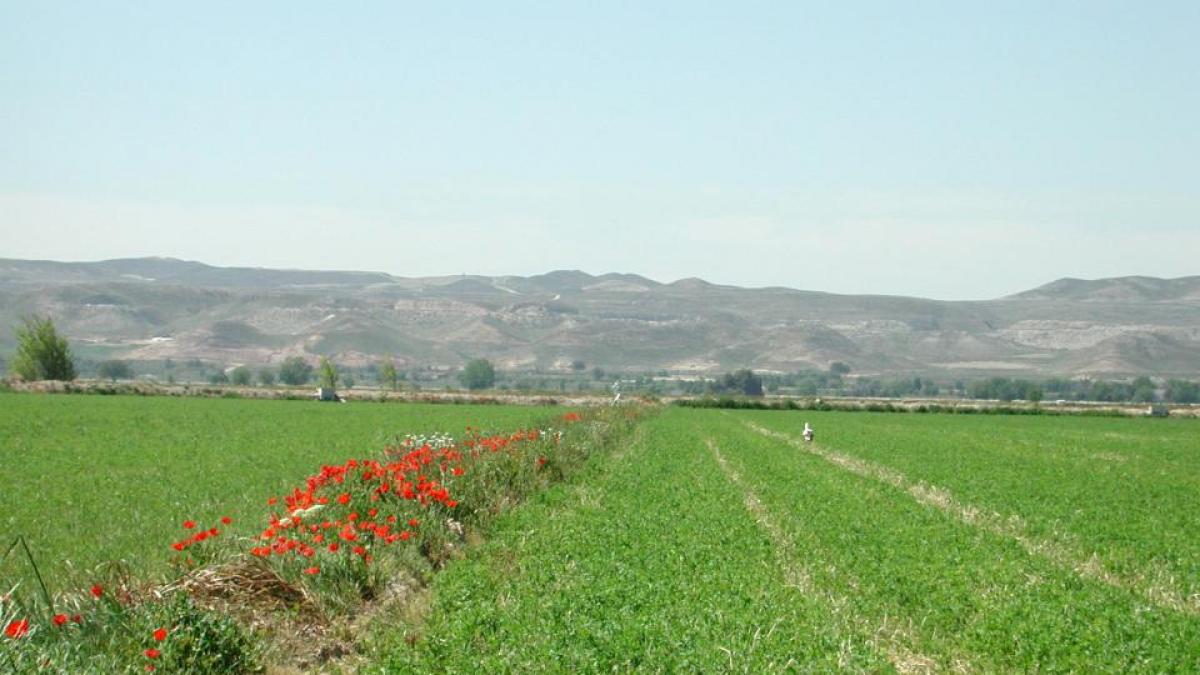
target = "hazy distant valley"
x: 153, y: 309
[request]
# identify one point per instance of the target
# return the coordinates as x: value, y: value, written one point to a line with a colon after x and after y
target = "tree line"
x: 43, y: 354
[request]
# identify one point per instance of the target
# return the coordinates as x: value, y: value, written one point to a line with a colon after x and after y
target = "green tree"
x: 115, y: 370
x: 1143, y: 390
x: 1183, y: 391
x: 241, y: 376
x: 218, y: 377
x: 742, y: 382
x: 578, y: 365
x: 266, y: 376
x: 839, y: 368
x: 41, y: 353
x: 295, y: 370
x: 387, y: 375
x: 478, y: 374
x: 327, y: 374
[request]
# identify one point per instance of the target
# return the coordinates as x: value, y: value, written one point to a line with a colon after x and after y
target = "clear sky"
x: 955, y: 150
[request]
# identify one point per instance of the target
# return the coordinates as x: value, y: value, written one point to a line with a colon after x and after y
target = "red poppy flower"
x: 272, y: 501
x: 97, y: 590
x: 160, y: 634
x: 413, y: 522
x: 152, y: 653
x: 77, y: 619
x: 226, y: 520
x: 189, y: 524
x: 312, y: 570
x: 60, y: 619
x: 17, y: 629
x: 344, y: 498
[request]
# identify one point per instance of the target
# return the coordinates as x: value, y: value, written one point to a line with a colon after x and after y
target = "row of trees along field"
x: 43, y: 354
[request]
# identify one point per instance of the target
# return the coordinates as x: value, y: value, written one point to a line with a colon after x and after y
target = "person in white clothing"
x: 808, y: 433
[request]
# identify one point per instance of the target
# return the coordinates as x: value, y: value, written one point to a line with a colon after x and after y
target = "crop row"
x: 1120, y: 489
x: 707, y: 546
x: 651, y: 562
x: 973, y: 597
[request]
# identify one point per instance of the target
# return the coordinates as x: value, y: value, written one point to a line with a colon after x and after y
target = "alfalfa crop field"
x: 392, y: 538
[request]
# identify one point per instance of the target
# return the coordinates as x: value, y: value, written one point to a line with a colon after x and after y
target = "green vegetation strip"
x: 649, y: 561
x: 968, y: 597
x: 1112, y: 499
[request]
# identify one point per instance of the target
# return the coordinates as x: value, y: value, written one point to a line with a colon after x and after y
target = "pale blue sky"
x: 945, y: 149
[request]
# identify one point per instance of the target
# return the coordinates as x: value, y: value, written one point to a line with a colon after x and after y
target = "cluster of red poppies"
x: 338, y: 509
x: 20, y: 628
x: 152, y: 653
x: 200, y: 536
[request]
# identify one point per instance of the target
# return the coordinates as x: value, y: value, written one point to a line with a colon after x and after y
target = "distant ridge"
x: 174, y: 271
x: 1117, y: 289
x: 159, y: 308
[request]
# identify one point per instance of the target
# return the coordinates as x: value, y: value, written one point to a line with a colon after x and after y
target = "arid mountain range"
x: 158, y: 308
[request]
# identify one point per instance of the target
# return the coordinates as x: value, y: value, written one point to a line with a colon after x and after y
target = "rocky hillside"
x: 157, y: 308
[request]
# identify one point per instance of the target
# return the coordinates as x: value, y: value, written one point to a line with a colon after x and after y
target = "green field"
x: 707, y: 541
x: 93, y: 479
x: 901, y: 542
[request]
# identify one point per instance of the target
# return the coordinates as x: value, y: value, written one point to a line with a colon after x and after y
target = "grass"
x: 754, y: 555
x: 94, y: 479
x: 1121, y: 488
x: 971, y: 595
x: 710, y: 541
x: 320, y: 554
x: 647, y: 562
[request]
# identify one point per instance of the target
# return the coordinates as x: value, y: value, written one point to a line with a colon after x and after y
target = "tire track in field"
x: 888, y: 635
x: 1155, y: 584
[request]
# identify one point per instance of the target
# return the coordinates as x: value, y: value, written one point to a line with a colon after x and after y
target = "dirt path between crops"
x: 888, y: 636
x: 1154, y: 583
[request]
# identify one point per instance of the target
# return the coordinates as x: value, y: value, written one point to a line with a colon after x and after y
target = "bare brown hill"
x: 161, y: 308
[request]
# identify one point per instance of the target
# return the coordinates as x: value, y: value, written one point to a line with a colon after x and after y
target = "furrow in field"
x: 1157, y: 585
x: 891, y: 638
x: 795, y: 575
x: 649, y: 562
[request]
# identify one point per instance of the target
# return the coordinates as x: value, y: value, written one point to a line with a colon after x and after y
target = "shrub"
x: 295, y: 371
x: 115, y: 370
x: 241, y: 376
x: 41, y: 353
x: 478, y: 374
